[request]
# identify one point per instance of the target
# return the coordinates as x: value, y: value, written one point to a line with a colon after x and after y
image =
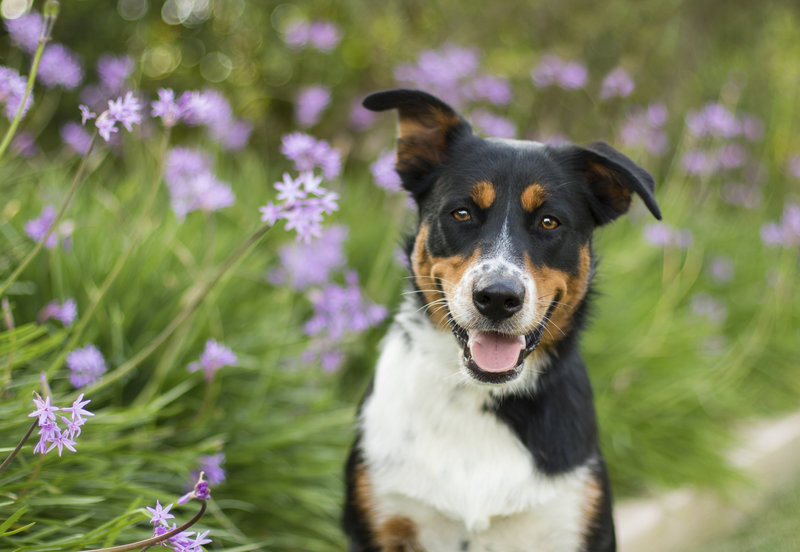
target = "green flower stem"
x: 147, y: 543
x: 70, y: 193
x: 115, y: 270
x: 37, y: 56
x: 14, y: 452
x: 183, y: 315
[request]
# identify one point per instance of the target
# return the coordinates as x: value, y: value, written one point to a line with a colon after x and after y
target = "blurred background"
x: 697, y: 319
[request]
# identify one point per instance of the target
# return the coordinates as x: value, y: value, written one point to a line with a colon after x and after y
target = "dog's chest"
x: 437, y: 456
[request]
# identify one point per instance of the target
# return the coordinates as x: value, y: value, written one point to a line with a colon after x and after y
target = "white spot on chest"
x: 435, y: 455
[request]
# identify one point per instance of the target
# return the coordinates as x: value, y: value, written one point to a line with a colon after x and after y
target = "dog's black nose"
x: 500, y: 299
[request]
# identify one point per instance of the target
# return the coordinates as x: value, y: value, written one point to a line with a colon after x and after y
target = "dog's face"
x: 502, y: 254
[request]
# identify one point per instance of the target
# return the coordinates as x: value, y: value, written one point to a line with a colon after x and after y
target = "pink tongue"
x: 494, y: 352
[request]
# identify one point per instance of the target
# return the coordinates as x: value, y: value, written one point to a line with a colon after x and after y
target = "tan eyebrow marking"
x: 532, y: 197
x: 483, y: 194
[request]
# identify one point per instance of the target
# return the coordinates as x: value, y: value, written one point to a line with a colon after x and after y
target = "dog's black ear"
x: 427, y: 129
x: 612, y: 177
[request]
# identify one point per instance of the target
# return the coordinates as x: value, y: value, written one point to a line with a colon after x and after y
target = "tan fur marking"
x: 424, y: 137
x: 605, y: 183
x: 532, y: 197
x: 483, y: 194
x: 590, y: 509
x: 363, y: 494
x: 434, y: 274
x: 571, y: 288
x: 398, y: 534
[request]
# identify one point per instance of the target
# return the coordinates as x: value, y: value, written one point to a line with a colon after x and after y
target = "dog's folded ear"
x: 612, y: 178
x: 426, y: 131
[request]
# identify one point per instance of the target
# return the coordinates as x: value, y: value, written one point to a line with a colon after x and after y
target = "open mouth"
x: 495, y: 357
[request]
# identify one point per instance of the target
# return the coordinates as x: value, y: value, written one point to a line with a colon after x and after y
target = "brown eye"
x: 461, y: 215
x: 550, y: 223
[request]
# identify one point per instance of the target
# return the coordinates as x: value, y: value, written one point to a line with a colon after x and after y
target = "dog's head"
x: 502, y: 254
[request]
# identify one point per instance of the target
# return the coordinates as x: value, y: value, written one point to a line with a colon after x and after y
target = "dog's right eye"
x: 461, y: 215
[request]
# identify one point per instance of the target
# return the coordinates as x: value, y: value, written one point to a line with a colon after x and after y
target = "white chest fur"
x: 435, y: 455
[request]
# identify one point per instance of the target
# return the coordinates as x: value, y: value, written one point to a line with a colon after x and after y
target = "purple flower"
x: 86, y: 365
x: 106, y: 126
x: 126, y: 111
x: 65, y: 312
x: 12, y: 90
x: 167, y: 108
x: 384, y: 173
x: 493, y: 125
x: 546, y: 73
x: 211, y: 466
x: 713, y: 120
x: 61, y: 440
x: 618, y: 83
x: 60, y: 67
x: 573, y: 76
x: 215, y: 356
x: 746, y: 195
x: 447, y: 73
x: 159, y: 514
x: 76, y: 137
x: 698, y: 162
x: 785, y: 232
x: 495, y: 90
x: 339, y: 310
x: 320, y: 34
x: 113, y: 72
x: 200, y: 491
x: 731, y: 156
x: 86, y: 114
x: 211, y: 109
x: 752, y: 128
x: 721, y: 269
x: 311, y: 102
x: 327, y: 253
x: 37, y: 228
x: 361, y: 118
x: 290, y: 190
x: 45, y: 412
x: 192, y: 185
x: 25, y: 31
x: 307, y: 153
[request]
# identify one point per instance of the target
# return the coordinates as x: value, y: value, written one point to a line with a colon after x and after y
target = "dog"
x: 478, y: 431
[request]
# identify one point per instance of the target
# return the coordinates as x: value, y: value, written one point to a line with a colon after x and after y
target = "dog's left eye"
x: 461, y: 215
x: 549, y: 223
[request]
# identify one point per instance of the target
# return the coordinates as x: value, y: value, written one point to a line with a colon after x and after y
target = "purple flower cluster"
x: 311, y: 103
x: 554, y: 71
x: 12, y: 90
x: 60, y: 67
x: 124, y: 110
x: 453, y: 74
x: 192, y: 184
x: 721, y: 269
x: 113, y: 71
x: 76, y: 137
x: 86, y: 365
x: 793, y: 166
x: 207, y: 108
x: 25, y: 31
x: 37, y: 229
x: 320, y: 34
x: 23, y: 144
x: 296, y: 268
x: 719, y: 127
x: 490, y: 124
x: 384, y: 174
x: 618, y: 83
x: 644, y: 127
x: 185, y: 541
x: 662, y: 234
x: 338, y: 311
x: 214, y: 356
x: 303, y: 200
x: 51, y: 434
x: 785, y: 232
x: 65, y: 312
